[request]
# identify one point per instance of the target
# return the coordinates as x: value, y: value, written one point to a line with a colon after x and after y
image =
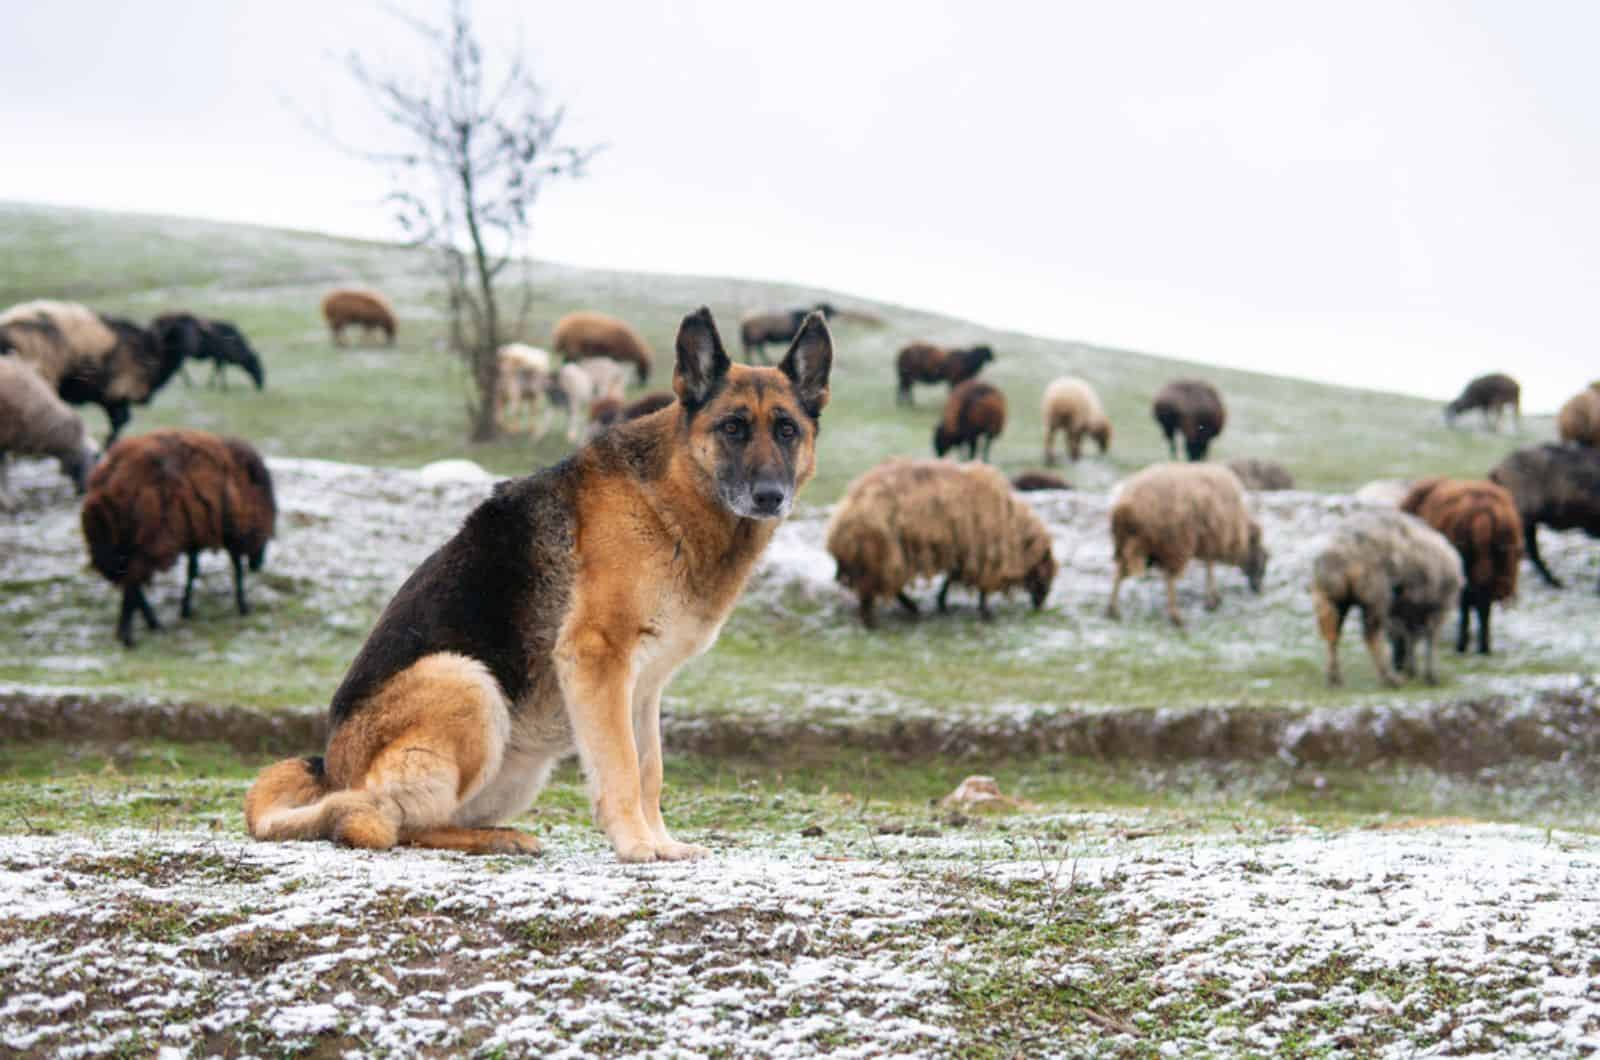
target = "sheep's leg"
x: 983, y: 606
x: 906, y: 602
x: 133, y: 600
x: 1428, y: 673
x: 866, y: 613
x: 1405, y: 653
x: 1050, y: 446
x: 1531, y: 534
x: 944, y: 593
x: 1483, y: 627
x: 7, y: 502
x: 1075, y: 444
x: 186, y: 610
x: 238, y: 583
x: 1172, y: 443
x: 1372, y: 632
x: 1213, y: 598
x: 1330, y: 619
x: 1172, y: 598
x: 117, y: 413
x: 1112, y: 610
x: 145, y: 609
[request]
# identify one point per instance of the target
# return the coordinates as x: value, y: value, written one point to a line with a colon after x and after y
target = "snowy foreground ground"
x: 1433, y: 940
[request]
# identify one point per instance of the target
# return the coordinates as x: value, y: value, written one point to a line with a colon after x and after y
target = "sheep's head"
x: 942, y: 440
x: 77, y: 464
x: 1255, y: 563
x: 1039, y: 578
x: 1101, y: 433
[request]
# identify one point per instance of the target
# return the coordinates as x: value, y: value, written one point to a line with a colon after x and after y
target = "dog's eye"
x: 786, y: 430
x: 733, y: 428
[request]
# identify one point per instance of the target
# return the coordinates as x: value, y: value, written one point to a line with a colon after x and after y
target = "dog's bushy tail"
x: 293, y: 799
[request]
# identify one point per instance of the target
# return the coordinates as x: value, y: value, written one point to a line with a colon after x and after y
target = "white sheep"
x: 1072, y: 407
x: 35, y: 422
x: 581, y: 383
x: 524, y: 375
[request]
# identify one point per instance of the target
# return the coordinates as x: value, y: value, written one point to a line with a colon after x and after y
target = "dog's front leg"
x: 647, y: 739
x: 597, y: 682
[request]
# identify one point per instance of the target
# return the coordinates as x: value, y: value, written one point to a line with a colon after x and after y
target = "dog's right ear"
x: 702, y: 364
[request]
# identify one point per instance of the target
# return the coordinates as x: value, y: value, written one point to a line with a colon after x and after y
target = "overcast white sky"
x: 1391, y: 194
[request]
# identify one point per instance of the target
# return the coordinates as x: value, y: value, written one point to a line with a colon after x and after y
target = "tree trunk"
x: 485, y: 426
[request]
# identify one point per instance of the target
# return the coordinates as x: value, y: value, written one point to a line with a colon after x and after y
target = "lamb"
x: 1033, y: 481
x: 1193, y: 408
x: 1557, y: 485
x: 1493, y: 393
x: 1258, y: 474
x: 1579, y: 419
x: 35, y: 422
x: 1401, y: 572
x: 909, y: 519
x: 975, y: 411
x: 1169, y: 514
x: 579, y: 384
x: 1480, y: 520
x: 173, y: 492
x: 584, y: 334
x: 363, y: 307
x: 524, y: 375
x: 218, y: 341
x: 923, y: 362
x: 91, y: 358
x: 1072, y: 407
x: 758, y: 329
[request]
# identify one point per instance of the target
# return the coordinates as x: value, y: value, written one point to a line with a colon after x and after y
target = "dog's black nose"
x: 767, y: 498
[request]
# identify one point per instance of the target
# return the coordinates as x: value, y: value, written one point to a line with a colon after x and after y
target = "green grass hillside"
x: 404, y: 407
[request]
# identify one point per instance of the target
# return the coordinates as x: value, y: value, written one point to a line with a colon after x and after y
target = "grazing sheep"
x: 580, y: 383
x: 1169, y: 514
x: 758, y: 329
x: 524, y: 375
x: 1557, y: 485
x: 1480, y: 519
x: 648, y: 403
x: 1493, y: 393
x: 910, y: 519
x: 1257, y: 474
x: 605, y: 411
x: 1579, y: 419
x: 171, y: 492
x: 365, y: 308
x: 923, y: 362
x: 91, y: 358
x: 1384, y: 492
x: 1032, y: 481
x: 1071, y: 407
x: 35, y: 422
x: 218, y: 341
x: 1403, y: 575
x: 1194, y: 409
x: 580, y: 335
x: 974, y: 411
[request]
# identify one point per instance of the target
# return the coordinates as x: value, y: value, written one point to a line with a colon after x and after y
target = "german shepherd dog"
x: 554, y: 619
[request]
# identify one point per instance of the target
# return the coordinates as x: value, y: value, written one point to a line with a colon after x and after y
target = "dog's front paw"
x: 672, y: 850
x: 653, y: 850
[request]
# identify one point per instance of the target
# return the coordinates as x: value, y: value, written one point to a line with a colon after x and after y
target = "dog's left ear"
x: 808, y: 362
x: 702, y: 364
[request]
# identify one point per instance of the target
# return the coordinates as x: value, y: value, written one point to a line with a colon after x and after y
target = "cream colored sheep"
x: 34, y: 422
x: 583, y: 382
x: 910, y: 519
x: 1170, y: 514
x: 1071, y: 407
x: 524, y: 375
x: 1579, y: 419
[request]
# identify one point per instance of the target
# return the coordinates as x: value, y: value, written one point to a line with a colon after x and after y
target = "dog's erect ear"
x: 808, y: 362
x: 702, y: 364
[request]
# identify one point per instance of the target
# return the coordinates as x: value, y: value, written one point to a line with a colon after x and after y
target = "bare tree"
x: 478, y: 151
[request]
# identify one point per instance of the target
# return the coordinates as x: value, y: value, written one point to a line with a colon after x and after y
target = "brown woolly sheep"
x: 173, y: 492
x: 1403, y: 575
x: 1031, y: 481
x: 1071, y: 407
x: 367, y: 309
x: 1579, y: 419
x: 584, y: 334
x: 35, y: 422
x: 1194, y: 409
x: 910, y: 519
x: 605, y: 411
x: 92, y: 358
x: 524, y: 376
x: 1169, y: 514
x: 1493, y: 393
x: 1480, y: 519
x: 758, y: 329
x: 1557, y: 485
x: 1258, y: 474
x: 975, y: 411
x: 923, y: 362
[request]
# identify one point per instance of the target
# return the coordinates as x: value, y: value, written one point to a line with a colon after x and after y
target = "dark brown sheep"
x: 923, y: 362
x: 1493, y: 393
x: 1194, y: 409
x: 974, y: 412
x: 1030, y: 481
x: 218, y: 341
x: 605, y: 411
x: 173, y: 492
x: 758, y: 329
x: 1557, y: 485
x: 648, y: 403
x: 366, y: 309
x: 584, y: 334
x: 1480, y: 519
